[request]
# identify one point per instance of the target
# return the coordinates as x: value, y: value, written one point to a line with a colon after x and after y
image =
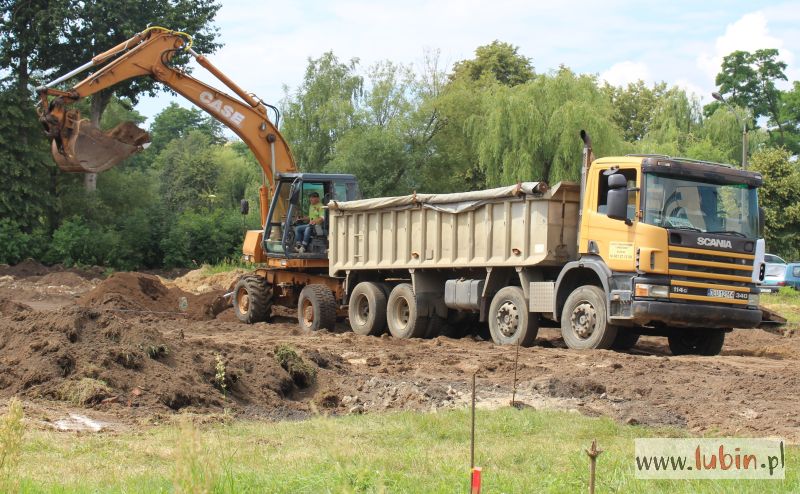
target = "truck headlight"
x: 656, y: 291
x: 752, y: 299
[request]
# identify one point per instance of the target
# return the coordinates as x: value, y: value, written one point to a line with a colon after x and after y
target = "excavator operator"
x: 316, y: 216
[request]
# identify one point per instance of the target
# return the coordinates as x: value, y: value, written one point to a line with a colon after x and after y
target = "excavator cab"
x: 287, y: 221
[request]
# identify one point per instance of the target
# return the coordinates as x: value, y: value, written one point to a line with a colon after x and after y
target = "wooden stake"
x: 593, y: 454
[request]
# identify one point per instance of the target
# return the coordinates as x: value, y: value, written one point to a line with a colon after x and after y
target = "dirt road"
x: 71, y: 350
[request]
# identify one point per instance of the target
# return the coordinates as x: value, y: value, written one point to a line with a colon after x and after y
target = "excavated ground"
x: 133, y: 350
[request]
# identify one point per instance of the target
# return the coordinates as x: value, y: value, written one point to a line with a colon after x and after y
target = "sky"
x: 267, y: 44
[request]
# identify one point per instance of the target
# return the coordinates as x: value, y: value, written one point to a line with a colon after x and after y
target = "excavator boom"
x: 79, y: 146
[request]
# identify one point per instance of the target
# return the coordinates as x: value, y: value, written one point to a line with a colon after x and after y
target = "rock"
x: 356, y: 410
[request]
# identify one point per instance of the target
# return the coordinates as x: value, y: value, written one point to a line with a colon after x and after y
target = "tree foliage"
x: 780, y: 198
x: 530, y: 131
x: 321, y: 110
x: 497, y: 61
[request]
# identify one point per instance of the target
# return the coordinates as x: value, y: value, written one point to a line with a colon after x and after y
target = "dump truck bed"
x: 520, y: 225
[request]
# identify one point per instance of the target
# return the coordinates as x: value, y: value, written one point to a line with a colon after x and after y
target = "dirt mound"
x: 9, y: 307
x: 64, y: 278
x: 200, y: 281
x: 137, y: 292
x: 24, y: 269
x: 99, y: 359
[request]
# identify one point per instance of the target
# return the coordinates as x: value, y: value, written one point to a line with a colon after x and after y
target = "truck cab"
x: 675, y: 243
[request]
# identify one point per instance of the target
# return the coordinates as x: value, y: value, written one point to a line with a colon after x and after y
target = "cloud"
x: 749, y: 33
x: 622, y: 73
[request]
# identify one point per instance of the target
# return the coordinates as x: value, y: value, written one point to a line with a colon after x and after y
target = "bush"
x: 16, y: 245
x: 200, y: 237
x: 76, y: 242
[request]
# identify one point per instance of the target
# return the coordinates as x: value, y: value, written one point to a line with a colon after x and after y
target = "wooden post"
x: 593, y: 453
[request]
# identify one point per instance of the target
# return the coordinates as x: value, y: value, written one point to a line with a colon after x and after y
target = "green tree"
x: 498, y: 61
x: 790, y: 117
x: 780, y: 198
x: 84, y: 29
x: 530, y: 132
x: 675, y: 125
x: 28, y: 170
x: 748, y: 80
x: 175, y: 122
x: 188, y: 172
x: 321, y: 110
x: 634, y: 107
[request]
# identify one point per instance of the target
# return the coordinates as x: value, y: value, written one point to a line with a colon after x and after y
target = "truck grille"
x: 710, y: 276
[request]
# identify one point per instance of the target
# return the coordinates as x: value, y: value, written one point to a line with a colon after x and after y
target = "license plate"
x: 713, y: 292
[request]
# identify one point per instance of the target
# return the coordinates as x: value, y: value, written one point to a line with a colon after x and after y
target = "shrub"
x: 17, y: 245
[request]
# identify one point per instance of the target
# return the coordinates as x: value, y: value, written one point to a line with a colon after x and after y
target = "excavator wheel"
x: 252, y: 299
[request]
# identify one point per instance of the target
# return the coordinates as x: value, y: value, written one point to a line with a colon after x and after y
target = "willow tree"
x: 531, y: 131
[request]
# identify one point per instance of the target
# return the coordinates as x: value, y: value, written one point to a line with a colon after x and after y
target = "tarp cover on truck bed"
x: 452, y: 203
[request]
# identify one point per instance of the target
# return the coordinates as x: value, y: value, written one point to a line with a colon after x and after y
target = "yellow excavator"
x: 285, y: 274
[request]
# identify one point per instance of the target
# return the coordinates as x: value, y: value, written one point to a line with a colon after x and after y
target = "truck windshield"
x: 729, y: 209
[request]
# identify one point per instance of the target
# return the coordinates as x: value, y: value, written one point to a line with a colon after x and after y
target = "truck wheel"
x: 584, y: 324
x: 252, y: 299
x: 367, y: 309
x: 625, y: 340
x: 403, y: 314
x: 509, y: 320
x: 316, y: 308
x: 696, y: 341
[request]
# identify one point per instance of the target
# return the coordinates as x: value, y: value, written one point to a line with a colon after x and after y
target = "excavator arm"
x: 79, y: 146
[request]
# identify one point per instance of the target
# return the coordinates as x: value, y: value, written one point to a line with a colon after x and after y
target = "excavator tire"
x: 252, y: 299
x: 316, y: 308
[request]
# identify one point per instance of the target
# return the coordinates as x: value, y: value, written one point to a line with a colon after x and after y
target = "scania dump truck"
x: 643, y: 245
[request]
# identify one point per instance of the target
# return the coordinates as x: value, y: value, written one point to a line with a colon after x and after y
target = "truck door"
x: 613, y: 239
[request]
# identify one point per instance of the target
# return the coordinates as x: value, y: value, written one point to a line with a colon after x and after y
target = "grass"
x: 785, y: 302
x: 226, y: 265
x: 519, y: 451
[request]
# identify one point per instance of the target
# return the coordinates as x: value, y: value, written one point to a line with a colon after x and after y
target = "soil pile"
x: 98, y: 359
x: 24, y: 269
x: 137, y: 292
x: 199, y: 281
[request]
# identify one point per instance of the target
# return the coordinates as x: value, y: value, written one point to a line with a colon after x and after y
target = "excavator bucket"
x: 90, y: 150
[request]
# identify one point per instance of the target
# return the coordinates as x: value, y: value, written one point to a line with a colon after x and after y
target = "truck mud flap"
x: 771, y: 322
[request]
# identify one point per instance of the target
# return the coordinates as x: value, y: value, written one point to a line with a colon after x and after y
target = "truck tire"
x: 403, y: 313
x: 584, y: 325
x: 367, y: 309
x: 625, y: 340
x: 696, y: 341
x: 252, y: 299
x: 316, y: 308
x: 510, y: 323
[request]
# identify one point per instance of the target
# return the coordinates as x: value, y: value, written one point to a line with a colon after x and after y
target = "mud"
x: 96, y: 357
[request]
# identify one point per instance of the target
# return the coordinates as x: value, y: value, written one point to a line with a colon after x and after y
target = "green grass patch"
x: 520, y: 451
x: 226, y: 265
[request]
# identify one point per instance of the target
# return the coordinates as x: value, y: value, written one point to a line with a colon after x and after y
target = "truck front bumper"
x: 677, y: 315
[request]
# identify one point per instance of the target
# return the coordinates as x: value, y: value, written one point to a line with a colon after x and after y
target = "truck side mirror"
x: 244, y: 206
x: 761, y: 221
x: 617, y: 198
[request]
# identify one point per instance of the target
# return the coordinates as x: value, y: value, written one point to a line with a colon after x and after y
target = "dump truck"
x: 644, y: 245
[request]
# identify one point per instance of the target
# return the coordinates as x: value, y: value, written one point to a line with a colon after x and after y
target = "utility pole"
x: 743, y: 123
